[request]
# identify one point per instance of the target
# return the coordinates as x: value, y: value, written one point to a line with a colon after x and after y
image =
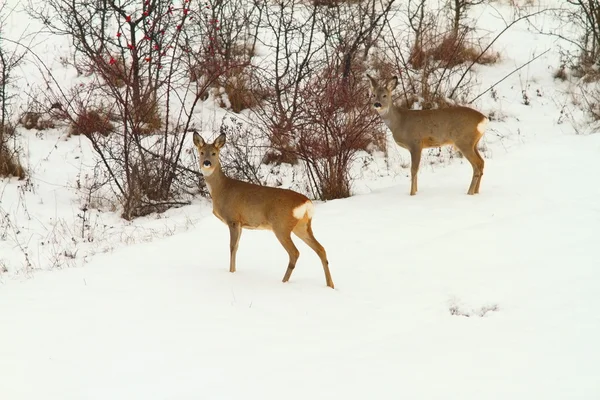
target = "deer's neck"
x: 392, y: 117
x: 216, y: 182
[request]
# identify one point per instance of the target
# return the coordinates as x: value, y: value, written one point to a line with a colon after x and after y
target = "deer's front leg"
x: 235, y: 231
x: 415, y: 159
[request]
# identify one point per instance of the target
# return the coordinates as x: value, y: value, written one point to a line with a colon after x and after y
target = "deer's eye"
x: 201, y: 153
x: 214, y: 154
x: 384, y: 96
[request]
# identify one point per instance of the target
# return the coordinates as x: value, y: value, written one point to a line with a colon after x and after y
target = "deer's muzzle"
x: 206, y: 163
x: 377, y: 105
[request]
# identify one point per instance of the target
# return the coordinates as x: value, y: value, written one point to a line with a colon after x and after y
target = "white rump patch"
x: 481, y: 126
x: 304, y: 209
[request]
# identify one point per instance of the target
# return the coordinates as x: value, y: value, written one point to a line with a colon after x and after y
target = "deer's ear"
x: 373, y: 82
x: 198, y: 141
x: 220, y: 141
x: 392, y: 83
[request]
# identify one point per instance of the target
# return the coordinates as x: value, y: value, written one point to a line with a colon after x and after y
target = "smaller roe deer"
x: 246, y: 205
x: 418, y: 129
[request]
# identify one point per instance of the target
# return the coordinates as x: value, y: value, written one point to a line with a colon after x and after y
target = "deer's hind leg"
x: 304, y: 231
x: 285, y: 238
x: 476, y: 161
x: 481, y: 166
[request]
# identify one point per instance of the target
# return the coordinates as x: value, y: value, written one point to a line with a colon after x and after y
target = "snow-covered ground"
x: 438, y: 296
x: 166, y: 320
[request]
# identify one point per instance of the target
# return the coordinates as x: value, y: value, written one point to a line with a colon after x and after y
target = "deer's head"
x: 381, y: 93
x: 209, y: 153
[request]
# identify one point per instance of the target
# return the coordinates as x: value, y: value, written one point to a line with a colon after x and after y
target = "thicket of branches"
x: 585, y: 15
x: 140, y: 97
x: 10, y: 164
x: 292, y: 69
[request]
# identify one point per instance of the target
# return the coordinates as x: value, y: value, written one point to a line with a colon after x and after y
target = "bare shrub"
x: 137, y: 54
x: 222, y: 61
x: 335, y: 123
x: 316, y: 111
x: 10, y: 164
x: 583, y: 17
x: 460, y: 9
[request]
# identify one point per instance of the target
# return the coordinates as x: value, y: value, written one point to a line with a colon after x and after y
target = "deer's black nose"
x: 206, y: 163
x: 377, y: 105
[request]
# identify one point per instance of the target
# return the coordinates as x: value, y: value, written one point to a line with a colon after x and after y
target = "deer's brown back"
x: 432, y: 128
x: 254, y: 206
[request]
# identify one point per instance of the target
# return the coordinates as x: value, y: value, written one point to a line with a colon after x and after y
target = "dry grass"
x: 115, y: 72
x: 449, y: 51
x: 241, y: 95
x: 36, y: 120
x: 521, y: 3
x: 10, y: 164
x: 560, y: 73
x: 282, y: 152
x: 146, y: 116
x: 332, y: 3
x: 89, y: 122
x: 587, y: 71
x: 228, y: 70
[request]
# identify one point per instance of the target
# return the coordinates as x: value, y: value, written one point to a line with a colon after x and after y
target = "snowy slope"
x: 168, y: 321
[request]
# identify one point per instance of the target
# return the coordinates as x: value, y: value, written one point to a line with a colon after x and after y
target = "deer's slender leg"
x: 471, y: 156
x: 286, y: 241
x: 415, y: 159
x: 481, y: 166
x: 235, y: 231
x: 304, y: 232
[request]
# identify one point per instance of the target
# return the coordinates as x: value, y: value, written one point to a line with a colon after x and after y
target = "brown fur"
x: 242, y: 204
x: 415, y: 130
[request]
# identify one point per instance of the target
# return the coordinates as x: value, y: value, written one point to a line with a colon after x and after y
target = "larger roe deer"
x: 418, y: 129
x: 242, y: 204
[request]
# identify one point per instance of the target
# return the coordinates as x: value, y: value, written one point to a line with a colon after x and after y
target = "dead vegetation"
x: 36, y: 120
x: 449, y: 51
x: 92, y: 121
x: 309, y: 99
x: 10, y: 164
x: 481, y: 312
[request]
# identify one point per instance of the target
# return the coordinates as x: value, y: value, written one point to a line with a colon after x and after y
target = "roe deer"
x: 418, y: 129
x: 242, y: 204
